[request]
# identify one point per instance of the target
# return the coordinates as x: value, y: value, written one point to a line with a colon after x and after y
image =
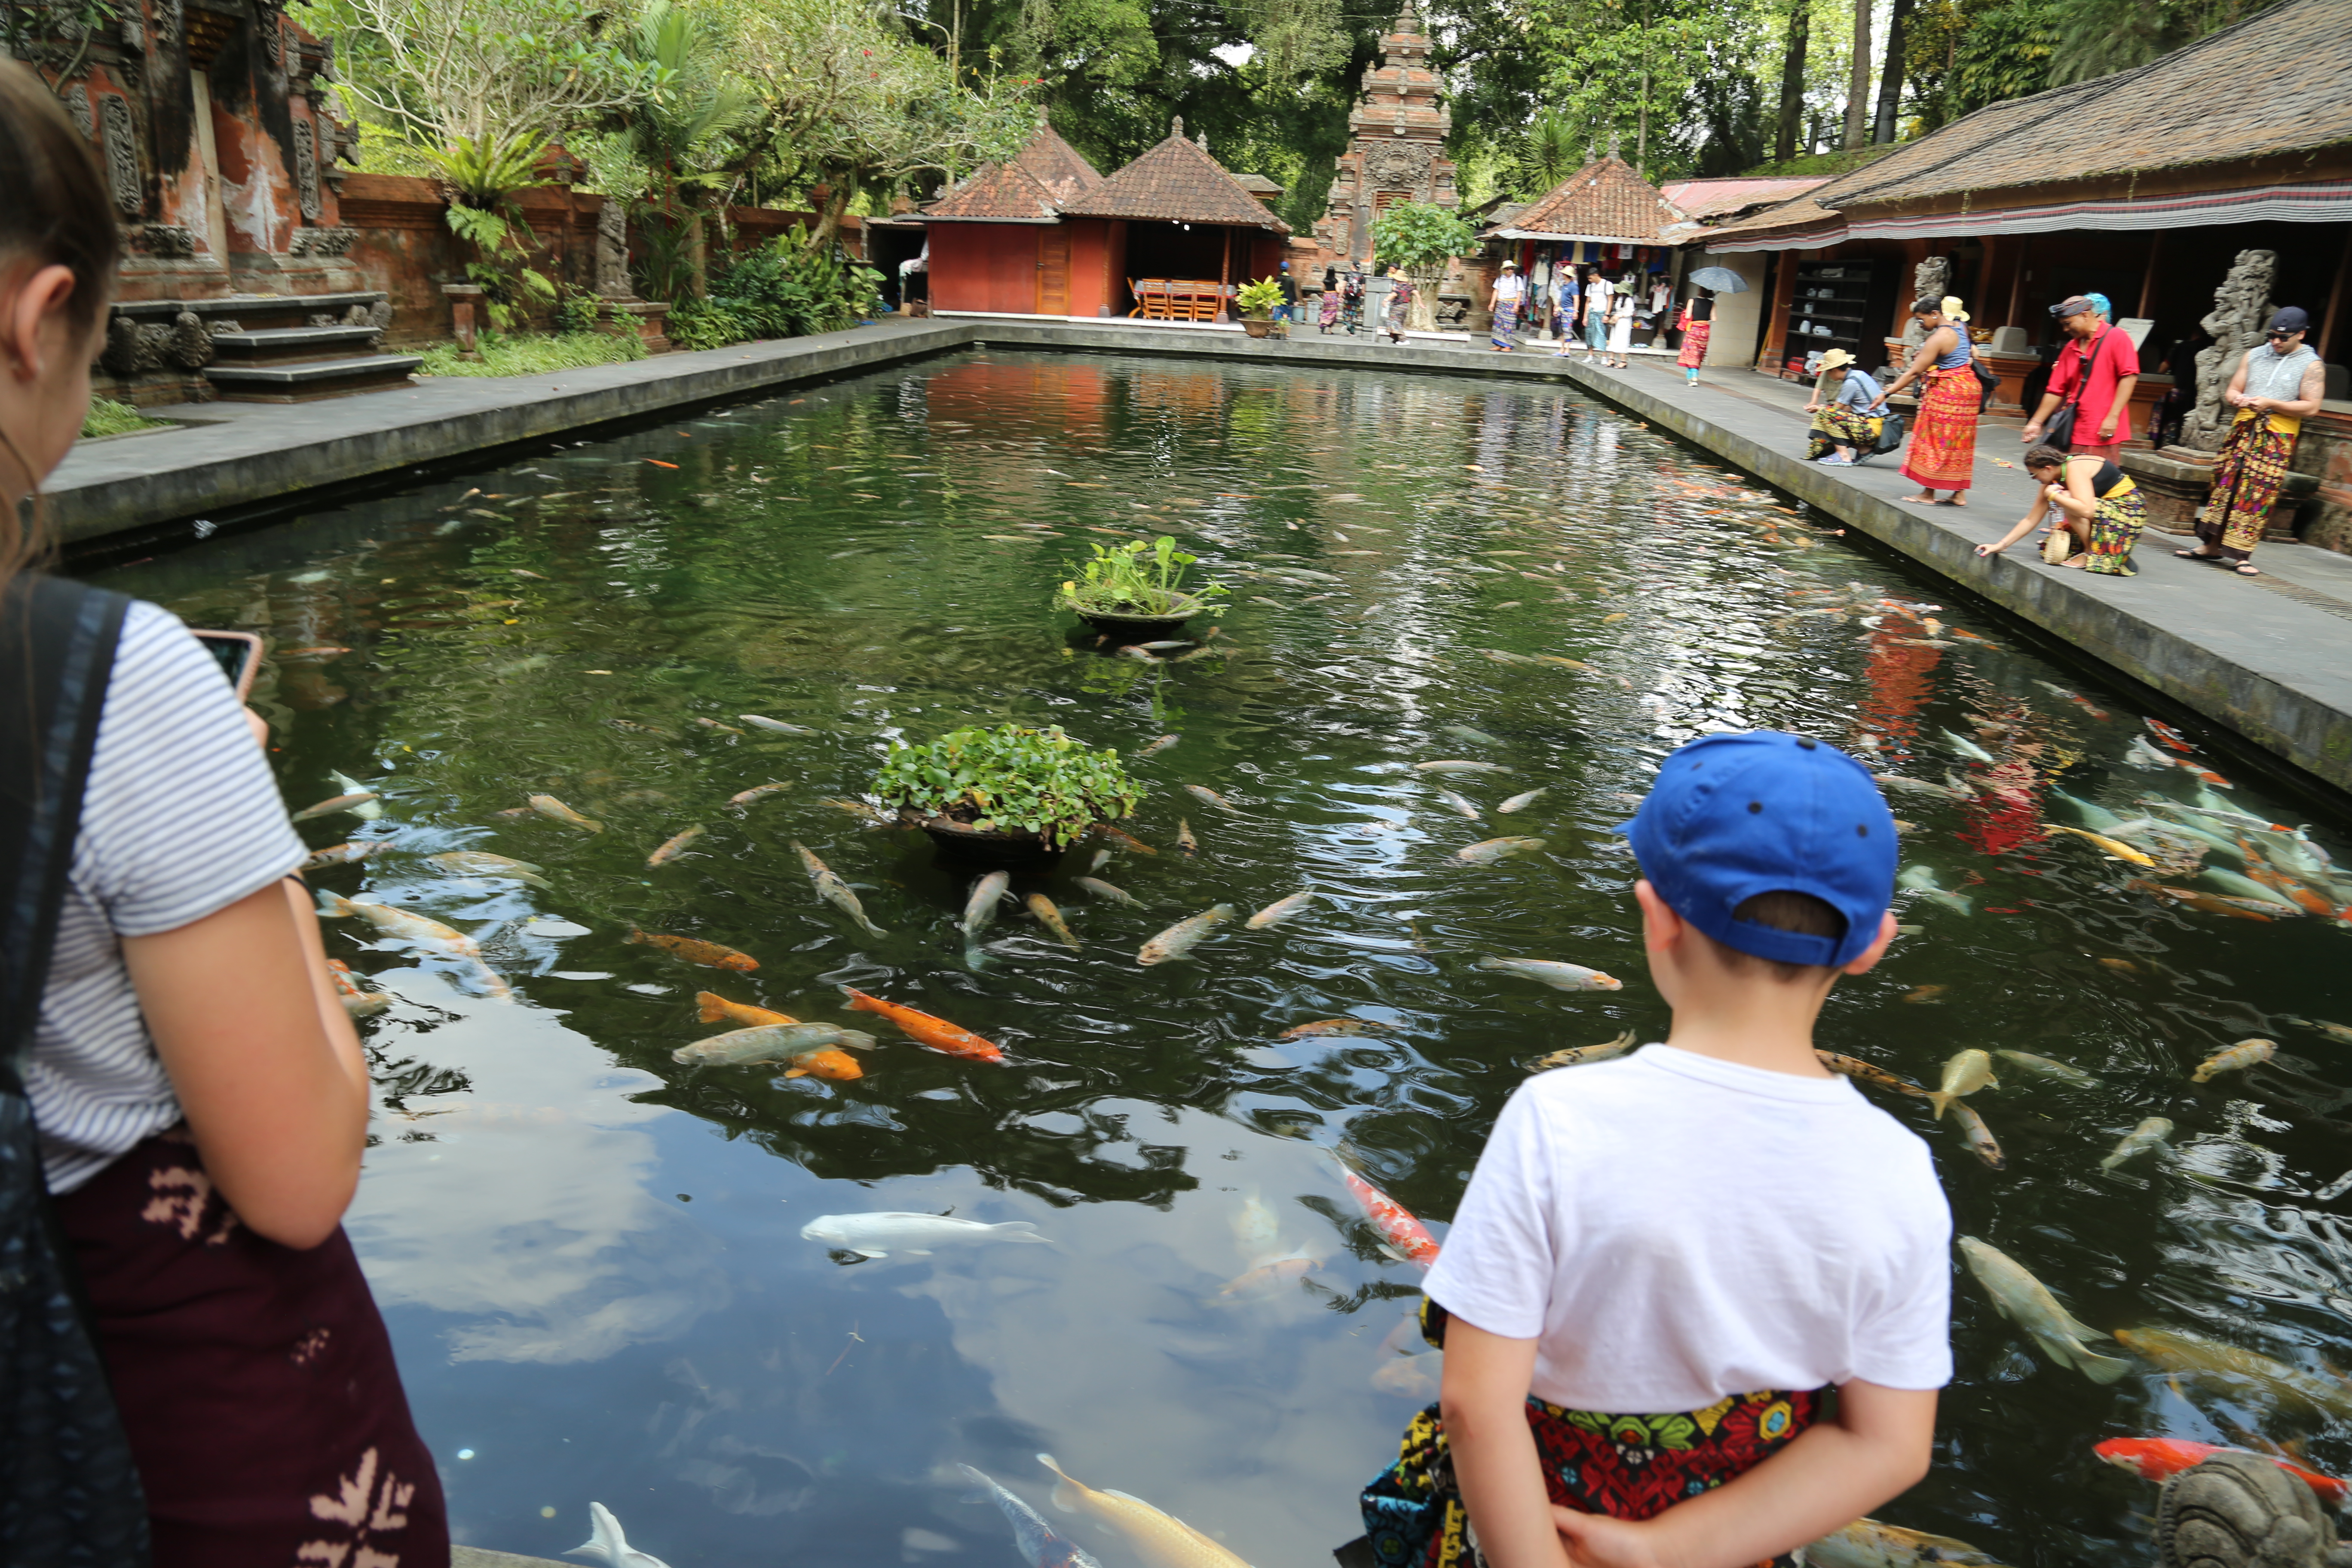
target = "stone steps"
x: 262, y: 348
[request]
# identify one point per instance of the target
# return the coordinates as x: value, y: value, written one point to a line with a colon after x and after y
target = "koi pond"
x: 592, y: 1255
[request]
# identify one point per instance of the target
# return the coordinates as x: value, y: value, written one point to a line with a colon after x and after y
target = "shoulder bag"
x: 69, y: 1490
x: 2059, y: 431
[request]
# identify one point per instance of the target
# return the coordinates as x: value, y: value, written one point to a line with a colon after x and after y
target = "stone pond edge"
x: 2292, y: 725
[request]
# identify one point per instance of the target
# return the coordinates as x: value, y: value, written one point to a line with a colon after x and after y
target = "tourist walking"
x: 1598, y: 291
x: 2087, y: 406
x: 1329, y: 310
x: 1697, y: 323
x: 1400, y: 304
x: 2278, y: 384
x: 1566, y: 296
x: 1942, y: 455
x: 1638, y: 1372
x: 188, y: 1103
x: 1287, y: 312
x: 1351, y: 298
x: 2095, y: 512
x: 1510, y: 292
x: 1620, y: 326
x: 1849, y: 409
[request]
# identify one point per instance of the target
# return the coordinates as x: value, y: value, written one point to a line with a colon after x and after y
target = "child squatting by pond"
x: 1663, y: 1263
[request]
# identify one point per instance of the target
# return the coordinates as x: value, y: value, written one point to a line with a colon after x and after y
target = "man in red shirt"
x: 2103, y: 413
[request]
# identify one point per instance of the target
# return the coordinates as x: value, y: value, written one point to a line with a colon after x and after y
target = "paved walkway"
x: 2263, y: 656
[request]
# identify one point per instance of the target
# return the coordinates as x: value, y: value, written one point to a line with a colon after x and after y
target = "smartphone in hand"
x: 239, y: 654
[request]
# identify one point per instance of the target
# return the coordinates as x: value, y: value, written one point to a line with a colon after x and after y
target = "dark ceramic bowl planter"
x: 1137, y: 625
x: 1008, y: 849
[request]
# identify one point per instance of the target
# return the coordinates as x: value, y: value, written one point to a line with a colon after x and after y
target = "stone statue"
x: 2241, y: 308
x: 2241, y: 1511
x: 126, y: 354
x: 613, y: 250
x: 1931, y: 279
x: 190, y: 346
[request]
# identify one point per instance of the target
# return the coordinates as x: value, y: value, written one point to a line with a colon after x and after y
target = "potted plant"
x: 1012, y: 795
x: 1257, y: 301
x: 1134, y: 591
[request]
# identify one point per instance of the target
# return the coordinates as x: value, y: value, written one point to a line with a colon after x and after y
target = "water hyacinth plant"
x: 1010, y: 777
x: 1140, y: 580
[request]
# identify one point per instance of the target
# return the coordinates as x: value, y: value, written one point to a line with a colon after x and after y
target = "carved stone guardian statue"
x: 613, y: 250
x: 2241, y: 308
x: 1931, y: 279
x: 2241, y: 1511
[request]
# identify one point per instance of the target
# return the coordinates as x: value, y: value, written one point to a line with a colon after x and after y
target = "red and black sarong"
x: 1627, y: 1466
x: 256, y: 1382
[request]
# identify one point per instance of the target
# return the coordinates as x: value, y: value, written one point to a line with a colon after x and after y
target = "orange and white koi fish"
x: 950, y: 1039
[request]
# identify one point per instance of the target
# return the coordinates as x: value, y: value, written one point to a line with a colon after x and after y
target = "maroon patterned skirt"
x: 257, y: 1382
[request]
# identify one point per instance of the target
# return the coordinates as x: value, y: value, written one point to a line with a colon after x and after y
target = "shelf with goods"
x: 1837, y: 305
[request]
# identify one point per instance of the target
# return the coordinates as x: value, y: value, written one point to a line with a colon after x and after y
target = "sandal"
x: 2246, y: 569
x: 2195, y: 555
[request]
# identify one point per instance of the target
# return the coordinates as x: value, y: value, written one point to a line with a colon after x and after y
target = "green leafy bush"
x: 1259, y: 299
x: 533, y: 355
x: 1010, y: 777
x: 579, y: 311
x: 1417, y: 236
x: 1139, y: 579
x: 108, y: 418
x: 781, y: 290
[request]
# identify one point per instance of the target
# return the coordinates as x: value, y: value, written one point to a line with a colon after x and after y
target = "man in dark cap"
x: 2278, y: 384
x: 2097, y: 370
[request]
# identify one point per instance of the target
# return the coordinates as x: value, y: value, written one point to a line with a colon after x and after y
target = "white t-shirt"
x: 1673, y: 1229
x: 180, y: 819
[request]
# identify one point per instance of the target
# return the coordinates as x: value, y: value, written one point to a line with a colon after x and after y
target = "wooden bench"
x: 1177, y: 298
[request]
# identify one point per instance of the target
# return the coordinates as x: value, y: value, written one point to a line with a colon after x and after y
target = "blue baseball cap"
x: 1731, y: 817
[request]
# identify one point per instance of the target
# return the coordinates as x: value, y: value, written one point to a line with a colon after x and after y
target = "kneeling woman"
x: 2099, y: 512
x: 1848, y: 409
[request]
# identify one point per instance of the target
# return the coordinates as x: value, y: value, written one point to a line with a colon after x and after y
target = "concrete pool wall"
x: 2262, y: 659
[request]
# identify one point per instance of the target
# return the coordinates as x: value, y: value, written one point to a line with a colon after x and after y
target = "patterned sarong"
x: 1330, y: 309
x: 1942, y: 455
x: 2246, y: 480
x: 1627, y: 1466
x: 1842, y: 425
x: 257, y: 1382
x: 1693, y: 352
x: 1506, y: 321
x: 2115, y: 528
x: 1596, y: 329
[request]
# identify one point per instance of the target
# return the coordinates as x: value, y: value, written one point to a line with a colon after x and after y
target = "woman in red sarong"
x: 1943, y: 451
x: 1698, y: 325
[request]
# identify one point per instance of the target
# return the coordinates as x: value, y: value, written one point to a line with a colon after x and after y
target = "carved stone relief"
x: 322, y: 241
x: 169, y: 20
x: 165, y: 239
x: 613, y: 250
x: 122, y: 156
x: 2241, y: 308
x: 1931, y: 279
x: 189, y: 346
x: 272, y: 43
x: 133, y: 349
x: 306, y: 168
x: 78, y: 104
x: 1398, y: 165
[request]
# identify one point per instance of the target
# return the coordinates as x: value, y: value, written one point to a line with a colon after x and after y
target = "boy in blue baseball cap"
x: 1663, y: 1262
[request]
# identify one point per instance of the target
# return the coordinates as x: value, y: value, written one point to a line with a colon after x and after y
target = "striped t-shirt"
x: 181, y: 818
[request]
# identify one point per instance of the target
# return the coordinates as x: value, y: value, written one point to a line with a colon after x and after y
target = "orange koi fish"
x: 1407, y: 1236
x: 2161, y: 1458
x: 824, y: 1062
x: 716, y: 1008
x: 951, y: 1039
x: 710, y: 954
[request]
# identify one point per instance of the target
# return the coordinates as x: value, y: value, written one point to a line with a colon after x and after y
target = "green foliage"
x: 534, y: 353
x: 1420, y: 234
x: 1551, y: 153
x: 580, y: 311
x: 1259, y: 298
x: 1140, y: 579
x: 108, y: 418
x: 1010, y: 777
x: 781, y: 290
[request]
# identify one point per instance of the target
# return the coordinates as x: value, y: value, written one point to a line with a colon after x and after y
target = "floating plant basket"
x: 1139, y: 626
x: 1012, y: 848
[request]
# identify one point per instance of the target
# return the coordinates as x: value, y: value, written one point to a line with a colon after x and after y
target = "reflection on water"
x: 592, y: 1256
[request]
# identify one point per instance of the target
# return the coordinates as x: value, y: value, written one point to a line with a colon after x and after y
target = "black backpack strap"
x: 57, y: 652
x: 69, y: 1492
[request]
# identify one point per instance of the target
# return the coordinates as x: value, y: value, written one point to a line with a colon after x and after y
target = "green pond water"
x: 592, y: 1257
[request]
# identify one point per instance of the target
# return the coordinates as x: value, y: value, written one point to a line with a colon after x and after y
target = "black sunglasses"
x: 2276, y: 334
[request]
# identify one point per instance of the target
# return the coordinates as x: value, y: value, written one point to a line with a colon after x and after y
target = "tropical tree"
x: 857, y: 104
x: 496, y: 73
x: 680, y: 141
x: 1422, y: 238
